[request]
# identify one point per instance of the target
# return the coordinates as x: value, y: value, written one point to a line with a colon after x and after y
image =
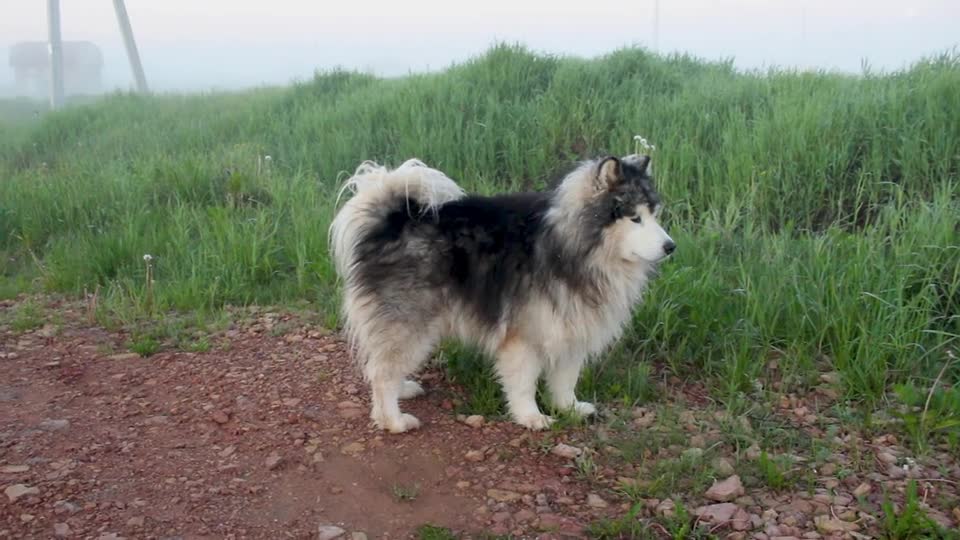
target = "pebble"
x: 220, y: 417
x: 61, y: 529
x: 595, y: 501
x: 16, y: 491
x: 329, y: 532
x: 54, y: 425
x: 566, y: 451
x: 503, y: 495
x: 726, y: 490
x: 474, y: 420
x: 274, y: 460
x: 717, y: 513
x: 474, y: 455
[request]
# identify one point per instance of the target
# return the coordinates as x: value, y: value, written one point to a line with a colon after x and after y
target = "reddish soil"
x: 262, y: 437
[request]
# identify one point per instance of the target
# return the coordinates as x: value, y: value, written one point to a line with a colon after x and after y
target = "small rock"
x: 524, y: 515
x: 666, y: 508
x: 474, y: 455
x: 14, y: 469
x: 61, y: 529
x: 698, y: 441
x: 358, y: 536
x: 829, y: 525
x: 500, y: 517
x: 463, y: 484
x: 16, y: 491
x: 54, y: 425
x: 862, y: 490
x: 727, y: 490
x: 741, y: 520
x: 887, y: 457
x: 220, y: 417
x: 474, y: 420
x: 329, y: 532
x: 566, y: 451
x: 274, y: 460
x: 502, y: 495
x: 353, y: 448
x: 723, y: 466
x: 26, y: 518
x: 135, y: 522
x: 717, y: 513
x: 643, y: 418
x: 595, y: 501
x: 228, y: 451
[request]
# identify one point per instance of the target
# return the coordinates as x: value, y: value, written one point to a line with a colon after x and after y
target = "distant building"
x: 82, y: 68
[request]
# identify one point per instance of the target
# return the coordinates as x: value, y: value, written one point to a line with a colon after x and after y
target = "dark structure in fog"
x: 82, y: 68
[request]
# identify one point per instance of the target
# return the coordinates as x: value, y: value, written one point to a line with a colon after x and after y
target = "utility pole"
x: 130, y: 45
x: 656, y: 25
x: 55, y: 46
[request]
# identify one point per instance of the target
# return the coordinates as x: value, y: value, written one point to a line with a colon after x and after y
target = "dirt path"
x: 268, y: 438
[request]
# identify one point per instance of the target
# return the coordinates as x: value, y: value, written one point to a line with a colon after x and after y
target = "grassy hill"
x: 817, y: 215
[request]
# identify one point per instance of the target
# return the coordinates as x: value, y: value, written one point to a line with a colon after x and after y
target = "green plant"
x: 911, y: 522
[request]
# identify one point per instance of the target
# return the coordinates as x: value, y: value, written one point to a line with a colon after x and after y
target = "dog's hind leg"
x: 410, y: 389
x: 562, y: 381
x: 518, y: 366
x: 387, y: 368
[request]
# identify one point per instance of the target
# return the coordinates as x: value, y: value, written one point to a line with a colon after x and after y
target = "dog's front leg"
x: 519, y: 367
x: 562, y: 381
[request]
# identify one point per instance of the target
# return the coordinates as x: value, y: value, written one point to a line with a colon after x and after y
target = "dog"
x: 541, y: 281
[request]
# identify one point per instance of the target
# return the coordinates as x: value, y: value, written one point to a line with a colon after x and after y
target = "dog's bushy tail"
x: 376, y: 190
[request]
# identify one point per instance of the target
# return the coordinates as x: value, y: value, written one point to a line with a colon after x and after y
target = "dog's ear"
x: 639, y: 162
x: 609, y: 173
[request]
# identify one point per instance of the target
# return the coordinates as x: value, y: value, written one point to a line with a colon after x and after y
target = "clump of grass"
x: 931, y: 415
x: 26, y: 316
x: 911, y: 522
x: 405, y: 492
x: 433, y: 532
x: 144, y: 345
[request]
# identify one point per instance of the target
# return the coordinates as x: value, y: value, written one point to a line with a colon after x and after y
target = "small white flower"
x: 637, y: 138
x: 148, y: 257
x: 267, y: 158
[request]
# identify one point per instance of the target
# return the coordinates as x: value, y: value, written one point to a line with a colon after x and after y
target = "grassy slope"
x: 817, y: 215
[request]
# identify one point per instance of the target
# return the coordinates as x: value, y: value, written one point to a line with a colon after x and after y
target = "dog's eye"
x: 636, y: 219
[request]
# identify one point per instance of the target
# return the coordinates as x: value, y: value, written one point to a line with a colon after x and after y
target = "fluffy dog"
x: 541, y: 281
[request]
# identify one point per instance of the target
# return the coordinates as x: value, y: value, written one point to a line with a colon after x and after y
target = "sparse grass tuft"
x: 405, y: 492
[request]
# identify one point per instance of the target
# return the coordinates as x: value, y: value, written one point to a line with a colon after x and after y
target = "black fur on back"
x: 487, y: 253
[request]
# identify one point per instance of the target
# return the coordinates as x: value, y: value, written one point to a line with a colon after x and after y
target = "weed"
x: 405, y: 492
x: 144, y: 345
x: 911, y: 522
x: 27, y: 316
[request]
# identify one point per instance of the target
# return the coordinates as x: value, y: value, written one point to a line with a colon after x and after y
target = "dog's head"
x: 629, y: 206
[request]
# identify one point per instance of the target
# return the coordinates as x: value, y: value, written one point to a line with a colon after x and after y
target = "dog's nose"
x: 669, y: 247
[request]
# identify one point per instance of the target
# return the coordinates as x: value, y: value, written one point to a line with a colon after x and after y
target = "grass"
x: 405, y: 492
x: 911, y: 521
x: 817, y: 215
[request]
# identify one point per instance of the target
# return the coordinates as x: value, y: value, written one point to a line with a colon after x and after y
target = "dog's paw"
x: 535, y: 422
x: 584, y: 409
x: 400, y: 424
x: 410, y: 389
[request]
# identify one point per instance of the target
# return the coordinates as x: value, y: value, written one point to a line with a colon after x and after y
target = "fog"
x: 189, y: 45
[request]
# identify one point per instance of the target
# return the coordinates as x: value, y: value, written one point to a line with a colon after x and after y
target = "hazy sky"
x: 200, y: 44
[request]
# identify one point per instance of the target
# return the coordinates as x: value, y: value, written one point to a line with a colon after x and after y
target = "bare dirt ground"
x: 267, y: 436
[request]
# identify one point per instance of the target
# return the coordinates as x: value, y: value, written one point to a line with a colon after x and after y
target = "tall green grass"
x: 816, y: 214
